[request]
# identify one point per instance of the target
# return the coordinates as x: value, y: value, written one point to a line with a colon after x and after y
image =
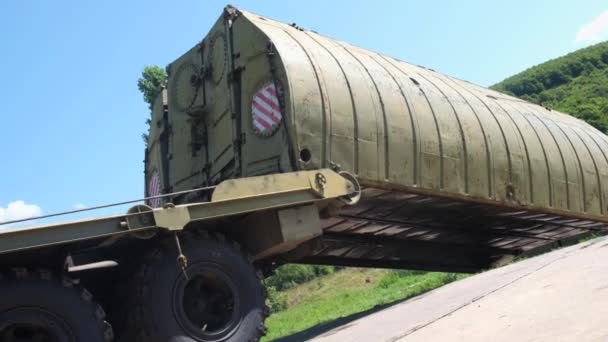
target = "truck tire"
x: 37, y: 306
x: 222, y: 299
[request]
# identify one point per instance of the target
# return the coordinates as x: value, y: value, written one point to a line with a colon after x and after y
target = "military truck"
x: 273, y: 144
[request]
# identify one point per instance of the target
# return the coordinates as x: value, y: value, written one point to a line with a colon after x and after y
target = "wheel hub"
x: 206, y: 303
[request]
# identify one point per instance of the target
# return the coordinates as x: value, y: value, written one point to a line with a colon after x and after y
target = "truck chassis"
x: 191, y: 272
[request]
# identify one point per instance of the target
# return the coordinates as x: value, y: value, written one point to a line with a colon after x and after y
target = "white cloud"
x: 595, y: 30
x: 79, y: 206
x: 19, y: 210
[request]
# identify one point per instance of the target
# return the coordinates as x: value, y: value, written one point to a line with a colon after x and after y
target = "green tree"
x: 150, y: 84
x: 593, y: 116
x: 576, y: 84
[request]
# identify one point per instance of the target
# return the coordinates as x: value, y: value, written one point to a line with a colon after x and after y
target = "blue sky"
x: 72, y: 116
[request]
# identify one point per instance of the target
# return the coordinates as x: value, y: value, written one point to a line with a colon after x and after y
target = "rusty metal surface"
x: 395, y: 124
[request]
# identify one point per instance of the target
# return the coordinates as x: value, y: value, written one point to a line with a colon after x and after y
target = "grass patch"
x: 348, y: 292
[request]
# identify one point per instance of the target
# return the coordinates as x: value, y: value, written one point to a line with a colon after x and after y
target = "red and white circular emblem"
x: 154, y: 190
x: 266, y: 111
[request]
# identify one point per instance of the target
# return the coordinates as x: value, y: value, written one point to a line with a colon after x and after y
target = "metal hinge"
x: 234, y: 73
x: 241, y: 140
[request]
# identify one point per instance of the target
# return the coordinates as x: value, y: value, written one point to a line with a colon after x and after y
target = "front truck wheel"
x: 37, y: 306
x: 220, y: 297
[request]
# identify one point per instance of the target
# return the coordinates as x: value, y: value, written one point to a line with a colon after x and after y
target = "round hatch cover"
x: 217, y: 57
x: 185, y: 86
x: 266, y: 111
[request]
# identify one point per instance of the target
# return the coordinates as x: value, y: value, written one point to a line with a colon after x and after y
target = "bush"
x: 288, y: 276
x: 321, y: 270
x: 393, y: 276
x: 276, y: 300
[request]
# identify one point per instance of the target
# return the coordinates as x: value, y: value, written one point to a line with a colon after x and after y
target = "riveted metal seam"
x: 561, y: 154
x: 597, y: 170
x: 385, y: 124
x: 352, y: 101
x: 604, y: 138
x: 580, y: 164
x: 409, y: 112
x: 439, y: 138
x: 502, y: 132
x: 483, y: 133
x: 323, y: 112
x: 523, y: 140
x: 540, y: 142
x: 603, y: 151
x: 289, y: 123
x: 592, y: 136
x: 355, y: 136
x: 597, y: 144
x: 462, y: 136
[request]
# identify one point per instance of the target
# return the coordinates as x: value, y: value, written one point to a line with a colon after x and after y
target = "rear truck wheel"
x: 218, y: 297
x: 36, y: 306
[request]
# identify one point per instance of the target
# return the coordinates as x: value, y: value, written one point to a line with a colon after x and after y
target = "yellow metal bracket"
x: 243, y: 195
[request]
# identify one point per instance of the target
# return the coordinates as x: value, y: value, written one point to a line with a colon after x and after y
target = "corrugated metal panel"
x: 401, y: 126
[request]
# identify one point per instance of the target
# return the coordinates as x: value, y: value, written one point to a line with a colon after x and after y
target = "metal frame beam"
x: 232, y: 197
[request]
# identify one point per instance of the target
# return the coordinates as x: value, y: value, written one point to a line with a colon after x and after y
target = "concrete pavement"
x: 558, y: 296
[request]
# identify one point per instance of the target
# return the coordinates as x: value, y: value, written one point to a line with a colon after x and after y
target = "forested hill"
x: 576, y: 84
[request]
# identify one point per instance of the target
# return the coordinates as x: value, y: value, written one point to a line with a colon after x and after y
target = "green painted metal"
x: 395, y: 125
